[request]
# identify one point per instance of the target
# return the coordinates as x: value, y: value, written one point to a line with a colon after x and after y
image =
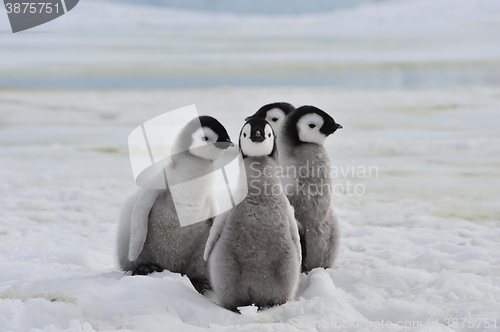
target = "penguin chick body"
x: 253, y: 249
x: 301, y: 148
x: 275, y: 114
x: 150, y: 236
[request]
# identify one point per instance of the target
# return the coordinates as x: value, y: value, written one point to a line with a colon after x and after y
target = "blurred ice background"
x: 415, y: 84
x: 363, y: 44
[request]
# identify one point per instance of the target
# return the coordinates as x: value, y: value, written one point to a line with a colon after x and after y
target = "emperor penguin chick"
x: 275, y: 114
x: 253, y: 249
x: 150, y: 236
x: 301, y: 148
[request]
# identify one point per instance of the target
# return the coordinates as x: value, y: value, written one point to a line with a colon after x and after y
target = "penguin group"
x: 252, y: 254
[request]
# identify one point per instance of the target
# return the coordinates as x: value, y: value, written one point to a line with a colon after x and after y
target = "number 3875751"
x: 32, y: 8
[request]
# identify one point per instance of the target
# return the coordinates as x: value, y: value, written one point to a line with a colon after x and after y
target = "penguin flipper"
x: 295, y: 225
x: 303, y: 267
x: 139, y: 221
x: 201, y: 285
x: 215, y: 232
x: 145, y: 269
x: 303, y: 246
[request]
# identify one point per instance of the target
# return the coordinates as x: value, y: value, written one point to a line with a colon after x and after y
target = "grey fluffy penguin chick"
x: 274, y: 113
x: 253, y: 249
x: 150, y: 237
x: 301, y: 148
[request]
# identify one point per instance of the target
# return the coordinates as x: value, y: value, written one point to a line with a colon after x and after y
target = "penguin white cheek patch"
x: 254, y: 149
x: 202, y: 144
x: 197, y: 195
x: 275, y: 117
x: 308, y: 128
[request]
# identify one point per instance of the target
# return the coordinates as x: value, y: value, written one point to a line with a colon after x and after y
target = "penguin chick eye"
x: 244, y: 135
x: 312, y: 125
x: 205, y: 138
x: 269, y: 135
x: 274, y: 119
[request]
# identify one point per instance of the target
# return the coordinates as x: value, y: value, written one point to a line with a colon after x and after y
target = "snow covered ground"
x: 421, y: 244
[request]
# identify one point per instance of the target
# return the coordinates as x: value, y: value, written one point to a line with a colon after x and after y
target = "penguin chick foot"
x: 235, y: 310
x: 267, y: 306
x: 201, y: 285
x: 145, y: 269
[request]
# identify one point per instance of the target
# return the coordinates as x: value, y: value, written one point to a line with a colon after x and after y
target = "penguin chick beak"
x: 330, y: 128
x: 257, y: 137
x: 223, y: 144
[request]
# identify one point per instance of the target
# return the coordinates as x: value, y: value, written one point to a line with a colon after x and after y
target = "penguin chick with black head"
x: 150, y: 237
x: 301, y: 148
x: 253, y: 249
x: 275, y: 114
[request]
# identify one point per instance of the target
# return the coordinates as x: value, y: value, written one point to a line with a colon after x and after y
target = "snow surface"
x: 422, y: 243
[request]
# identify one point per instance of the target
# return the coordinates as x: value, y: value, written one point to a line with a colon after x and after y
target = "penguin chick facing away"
x: 253, y: 250
x: 301, y: 148
x: 150, y: 237
x: 275, y: 114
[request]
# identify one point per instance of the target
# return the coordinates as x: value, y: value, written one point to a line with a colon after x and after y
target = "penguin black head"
x: 257, y: 139
x: 209, y: 125
x: 208, y: 141
x: 274, y: 113
x: 309, y: 124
